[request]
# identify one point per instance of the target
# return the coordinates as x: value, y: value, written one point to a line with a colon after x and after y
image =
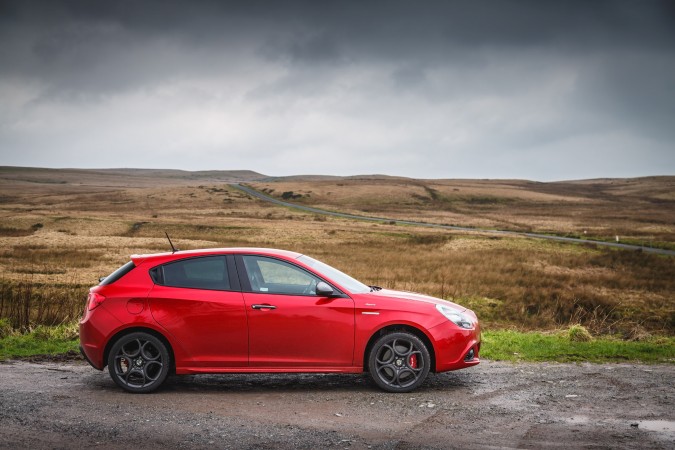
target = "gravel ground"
x: 68, y: 404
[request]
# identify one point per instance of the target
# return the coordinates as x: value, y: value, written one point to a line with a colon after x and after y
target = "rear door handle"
x: 263, y: 307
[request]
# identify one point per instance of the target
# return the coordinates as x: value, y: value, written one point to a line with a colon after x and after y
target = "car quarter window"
x: 208, y: 272
x: 272, y: 276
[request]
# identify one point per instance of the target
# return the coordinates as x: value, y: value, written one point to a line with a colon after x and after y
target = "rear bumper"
x: 88, y: 360
x: 95, y: 328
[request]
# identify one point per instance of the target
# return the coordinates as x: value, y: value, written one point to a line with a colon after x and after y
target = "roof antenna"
x: 173, y: 249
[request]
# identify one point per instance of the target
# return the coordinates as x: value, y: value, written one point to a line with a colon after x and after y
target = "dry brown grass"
x: 26, y: 303
x: 87, y: 231
x: 637, y: 210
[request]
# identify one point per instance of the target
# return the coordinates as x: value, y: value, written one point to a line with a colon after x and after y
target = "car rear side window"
x: 119, y: 273
x: 208, y: 272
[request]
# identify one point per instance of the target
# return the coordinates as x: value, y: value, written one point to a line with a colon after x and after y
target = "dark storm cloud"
x: 78, y: 36
x: 470, y: 86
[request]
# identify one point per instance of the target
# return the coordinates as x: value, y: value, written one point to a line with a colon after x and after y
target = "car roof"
x: 170, y: 256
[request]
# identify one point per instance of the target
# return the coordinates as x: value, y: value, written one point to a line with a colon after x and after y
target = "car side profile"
x: 249, y: 310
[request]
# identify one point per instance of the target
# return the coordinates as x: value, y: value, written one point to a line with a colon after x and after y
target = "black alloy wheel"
x: 399, y: 362
x: 139, y: 362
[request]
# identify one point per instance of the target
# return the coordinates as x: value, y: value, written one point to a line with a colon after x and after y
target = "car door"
x: 198, y: 301
x: 289, y: 325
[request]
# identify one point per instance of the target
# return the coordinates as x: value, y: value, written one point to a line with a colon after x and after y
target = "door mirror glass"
x: 324, y: 290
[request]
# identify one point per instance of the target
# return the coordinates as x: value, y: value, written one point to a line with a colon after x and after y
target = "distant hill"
x: 123, y: 177
x: 662, y: 187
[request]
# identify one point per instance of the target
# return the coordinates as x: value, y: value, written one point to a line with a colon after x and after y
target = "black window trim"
x: 229, y: 265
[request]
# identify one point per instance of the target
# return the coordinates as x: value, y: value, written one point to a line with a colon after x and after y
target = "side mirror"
x: 324, y: 290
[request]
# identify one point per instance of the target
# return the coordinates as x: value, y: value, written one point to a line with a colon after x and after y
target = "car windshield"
x: 335, y: 275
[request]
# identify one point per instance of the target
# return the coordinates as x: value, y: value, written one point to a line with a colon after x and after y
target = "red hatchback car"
x: 244, y: 310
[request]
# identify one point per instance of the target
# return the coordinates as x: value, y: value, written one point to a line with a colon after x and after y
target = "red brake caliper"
x: 413, y: 361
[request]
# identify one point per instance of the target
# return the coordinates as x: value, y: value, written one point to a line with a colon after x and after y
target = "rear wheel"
x: 139, y: 362
x: 399, y: 362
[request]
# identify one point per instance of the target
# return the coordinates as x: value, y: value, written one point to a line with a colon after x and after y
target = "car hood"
x: 413, y: 296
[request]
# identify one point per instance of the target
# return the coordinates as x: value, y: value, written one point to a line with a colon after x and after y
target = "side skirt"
x: 196, y: 370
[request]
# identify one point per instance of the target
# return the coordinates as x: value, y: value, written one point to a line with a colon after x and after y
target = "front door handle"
x: 263, y: 307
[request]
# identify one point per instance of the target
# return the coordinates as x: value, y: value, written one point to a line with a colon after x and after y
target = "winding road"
x: 267, y: 198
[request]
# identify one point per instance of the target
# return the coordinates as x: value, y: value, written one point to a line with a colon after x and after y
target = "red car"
x: 244, y: 310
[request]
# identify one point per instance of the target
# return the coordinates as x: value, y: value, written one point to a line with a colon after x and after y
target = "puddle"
x: 663, y: 426
x: 578, y: 420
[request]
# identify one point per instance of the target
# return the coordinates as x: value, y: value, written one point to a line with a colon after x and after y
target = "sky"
x: 533, y: 89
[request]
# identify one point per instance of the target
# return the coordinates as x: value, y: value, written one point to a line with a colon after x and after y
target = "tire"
x: 399, y: 362
x: 139, y: 362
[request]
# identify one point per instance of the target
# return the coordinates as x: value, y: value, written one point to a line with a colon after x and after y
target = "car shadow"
x: 284, y: 383
x: 267, y: 382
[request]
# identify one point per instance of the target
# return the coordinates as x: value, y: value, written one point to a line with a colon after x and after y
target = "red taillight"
x: 94, y: 300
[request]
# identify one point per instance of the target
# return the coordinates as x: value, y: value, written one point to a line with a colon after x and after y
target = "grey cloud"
x: 317, y: 49
x: 421, y: 82
x: 409, y: 77
x: 636, y: 88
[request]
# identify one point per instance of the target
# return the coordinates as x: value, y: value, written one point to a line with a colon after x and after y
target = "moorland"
x: 62, y: 229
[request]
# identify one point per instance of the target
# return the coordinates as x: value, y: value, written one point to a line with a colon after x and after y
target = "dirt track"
x: 493, y: 405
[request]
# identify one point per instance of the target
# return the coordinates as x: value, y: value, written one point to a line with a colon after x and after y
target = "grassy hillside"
x: 57, y: 238
x: 638, y: 210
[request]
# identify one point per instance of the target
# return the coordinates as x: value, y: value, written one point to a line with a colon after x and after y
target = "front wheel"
x: 399, y: 362
x: 139, y: 362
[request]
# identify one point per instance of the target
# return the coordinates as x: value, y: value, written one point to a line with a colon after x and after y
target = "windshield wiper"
x: 375, y: 288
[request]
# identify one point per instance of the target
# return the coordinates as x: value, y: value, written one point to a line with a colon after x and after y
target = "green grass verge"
x: 42, y: 340
x: 25, y: 345
x: 503, y: 345
x: 506, y: 345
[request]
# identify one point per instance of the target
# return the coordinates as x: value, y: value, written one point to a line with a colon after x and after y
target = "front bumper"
x: 455, y: 347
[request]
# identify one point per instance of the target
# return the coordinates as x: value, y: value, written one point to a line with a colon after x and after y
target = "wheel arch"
x: 130, y: 330
x: 396, y: 328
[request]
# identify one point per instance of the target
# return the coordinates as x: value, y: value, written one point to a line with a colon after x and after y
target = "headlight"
x: 455, y: 316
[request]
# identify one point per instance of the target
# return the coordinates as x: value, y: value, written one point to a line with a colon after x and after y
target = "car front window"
x: 272, y: 276
x: 341, y: 278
